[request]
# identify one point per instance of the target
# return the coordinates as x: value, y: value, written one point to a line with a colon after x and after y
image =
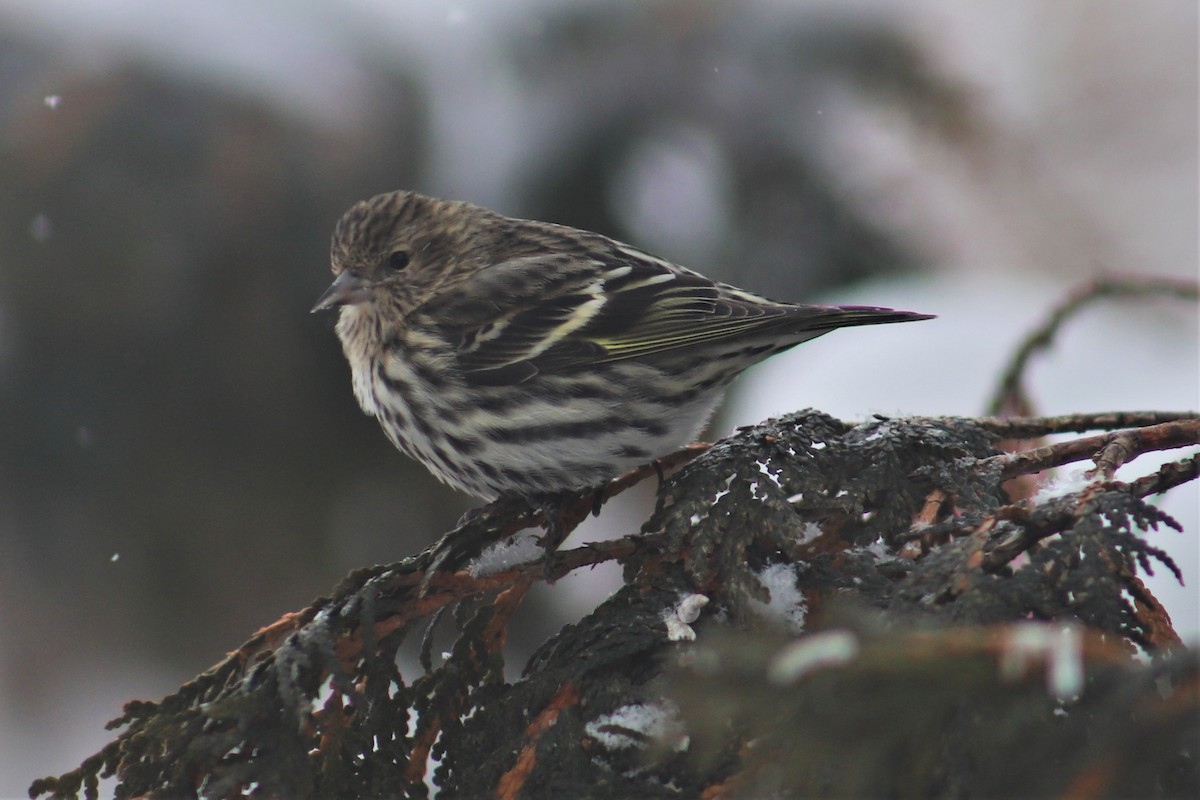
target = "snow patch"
x: 787, y: 605
x: 679, y: 617
x: 505, y: 555
x: 765, y: 469
x: 810, y: 532
x: 638, y: 725
x: 1069, y: 482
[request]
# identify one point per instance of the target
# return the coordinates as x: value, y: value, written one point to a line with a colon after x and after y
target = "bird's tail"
x: 827, y: 318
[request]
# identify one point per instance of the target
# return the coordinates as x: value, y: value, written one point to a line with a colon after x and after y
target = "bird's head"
x: 397, y: 249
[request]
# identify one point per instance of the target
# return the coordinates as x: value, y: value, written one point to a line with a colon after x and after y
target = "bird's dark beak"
x: 347, y: 289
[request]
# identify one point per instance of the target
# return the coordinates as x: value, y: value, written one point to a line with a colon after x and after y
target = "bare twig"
x: 937, y: 504
x: 1109, y: 449
x: 1010, y: 396
x: 1033, y: 427
x: 999, y: 553
x: 506, y: 516
x: 1167, y: 477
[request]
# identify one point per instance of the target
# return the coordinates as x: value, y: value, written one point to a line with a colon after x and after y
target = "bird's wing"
x: 564, y: 312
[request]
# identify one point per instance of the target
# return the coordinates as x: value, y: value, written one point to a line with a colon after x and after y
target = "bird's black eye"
x: 397, y: 260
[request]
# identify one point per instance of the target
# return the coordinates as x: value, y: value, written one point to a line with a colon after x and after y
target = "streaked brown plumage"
x: 518, y: 357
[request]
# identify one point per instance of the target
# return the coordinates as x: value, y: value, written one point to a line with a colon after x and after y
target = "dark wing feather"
x: 558, y: 313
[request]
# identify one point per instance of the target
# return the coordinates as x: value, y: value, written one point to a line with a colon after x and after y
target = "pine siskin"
x: 513, y: 357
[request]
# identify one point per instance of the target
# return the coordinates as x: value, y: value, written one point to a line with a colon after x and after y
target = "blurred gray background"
x: 181, y: 458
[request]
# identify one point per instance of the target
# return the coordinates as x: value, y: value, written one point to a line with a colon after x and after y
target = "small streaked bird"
x: 514, y: 357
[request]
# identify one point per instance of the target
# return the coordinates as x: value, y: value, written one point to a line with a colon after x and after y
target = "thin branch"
x: 660, y: 467
x: 502, y: 518
x: 999, y: 553
x: 1167, y: 477
x: 1128, y: 445
x: 1011, y: 396
x: 1034, y: 427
